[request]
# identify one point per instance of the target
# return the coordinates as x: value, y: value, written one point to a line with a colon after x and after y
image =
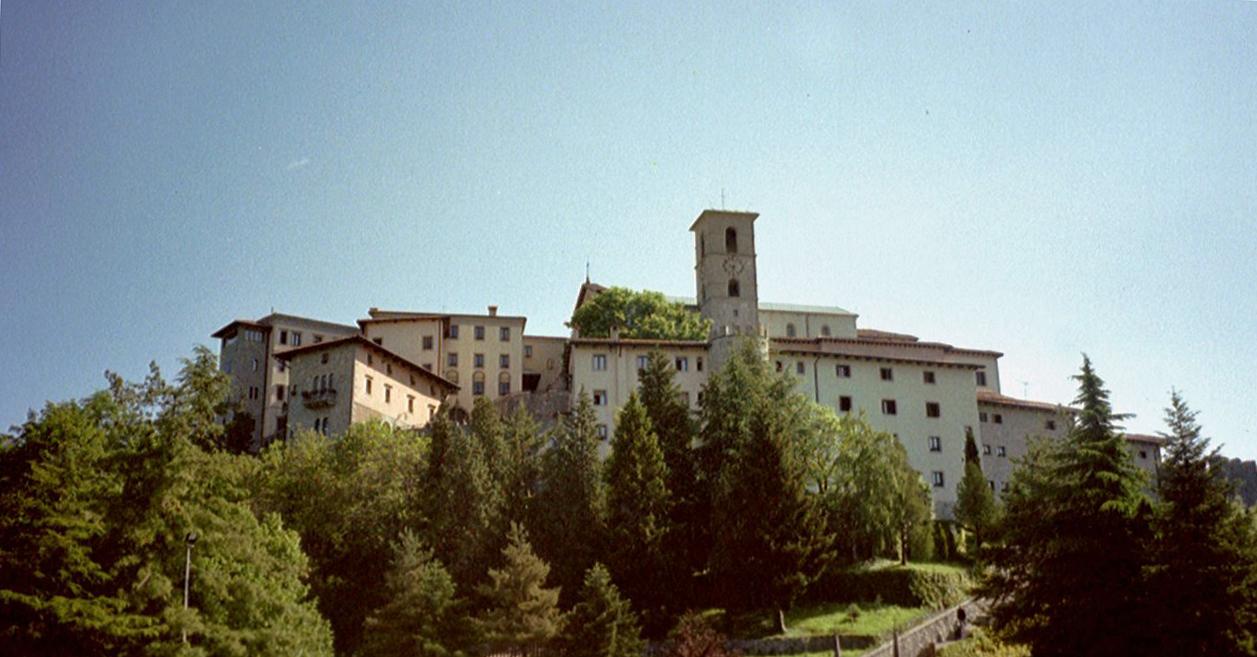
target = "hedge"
x: 896, y: 585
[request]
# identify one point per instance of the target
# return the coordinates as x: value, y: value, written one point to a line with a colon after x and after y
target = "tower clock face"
x: 733, y: 266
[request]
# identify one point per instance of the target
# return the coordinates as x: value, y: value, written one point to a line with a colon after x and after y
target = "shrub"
x: 896, y: 585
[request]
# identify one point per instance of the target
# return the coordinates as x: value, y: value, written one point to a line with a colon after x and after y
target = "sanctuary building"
x: 402, y: 366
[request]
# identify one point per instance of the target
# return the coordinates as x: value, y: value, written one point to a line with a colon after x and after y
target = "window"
x: 279, y: 392
x: 410, y: 403
x: 888, y: 374
x: 928, y: 376
x: 388, y: 369
x: 1050, y: 425
x: 452, y: 375
x: 431, y: 411
x: 504, y: 361
x: 778, y: 366
x: 641, y: 363
x: 1143, y: 454
x: 999, y: 419
x: 479, y: 332
x: 253, y: 392
x: 427, y: 366
x: 370, y: 359
x: 1000, y: 450
x: 683, y: 364
x: 283, y: 337
x: 602, y: 431
x: 255, y: 365
x: 453, y: 331
x: 731, y: 240
x: 282, y: 365
x: 825, y: 330
x: 982, y: 416
x: 981, y: 376
x: 427, y: 343
x: 451, y: 359
x: 932, y: 409
x: 600, y: 362
x: 368, y: 385
x: 992, y: 483
x: 527, y: 351
x: 937, y: 476
x: 790, y: 331
x: 477, y: 383
x: 843, y: 371
x: 888, y: 407
x: 735, y: 290
x: 296, y: 338
x: 936, y: 443
x: 323, y: 358
x: 844, y: 404
x: 504, y: 384
x: 986, y: 449
x: 329, y: 380
x: 600, y: 398
x: 504, y: 333
x: 698, y: 363
x: 388, y: 393
x: 378, y: 341
x: 317, y: 338
x: 314, y: 383
x: 684, y: 397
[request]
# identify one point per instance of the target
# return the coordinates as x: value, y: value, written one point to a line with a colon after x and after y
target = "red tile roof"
x: 362, y: 340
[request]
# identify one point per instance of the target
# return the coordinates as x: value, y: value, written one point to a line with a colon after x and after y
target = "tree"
x: 423, y: 617
x: 97, y: 498
x: 1204, y: 577
x: 694, y: 637
x: 910, y: 506
x: 862, y: 490
x: 975, y: 501
x: 769, y: 534
x: 572, y: 501
x: 463, y: 504
x: 1068, y: 574
x: 602, y: 624
x: 637, y: 511
x: 523, y: 443
x: 487, y: 429
x: 636, y: 314
x: 522, y: 616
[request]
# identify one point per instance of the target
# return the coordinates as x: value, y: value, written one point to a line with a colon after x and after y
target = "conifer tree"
x: 422, y: 617
x: 975, y: 501
x: 523, y: 443
x: 1204, y: 581
x: 522, y: 615
x: 602, y: 624
x: 572, y: 501
x: 637, y: 511
x: 487, y: 429
x: 1068, y: 574
x: 463, y: 505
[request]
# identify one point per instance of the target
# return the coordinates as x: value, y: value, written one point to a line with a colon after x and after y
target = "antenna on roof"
x: 586, y: 270
x: 1025, y: 390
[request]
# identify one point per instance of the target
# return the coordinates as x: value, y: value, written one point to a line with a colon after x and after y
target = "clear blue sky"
x: 1040, y: 178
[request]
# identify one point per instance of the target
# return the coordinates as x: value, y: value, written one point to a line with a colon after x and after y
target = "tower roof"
x: 711, y: 214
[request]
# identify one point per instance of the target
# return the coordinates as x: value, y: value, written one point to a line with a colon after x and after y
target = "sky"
x: 1043, y: 179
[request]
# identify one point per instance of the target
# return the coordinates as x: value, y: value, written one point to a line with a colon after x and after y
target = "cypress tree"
x: 1204, y: 581
x: 602, y: 624
x: 975, y: 501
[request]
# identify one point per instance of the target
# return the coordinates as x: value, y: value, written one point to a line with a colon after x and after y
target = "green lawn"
x: 923, y: 567
x: 844, y: 618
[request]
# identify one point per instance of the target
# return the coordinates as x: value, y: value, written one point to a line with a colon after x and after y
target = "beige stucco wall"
x: 405, y: 338
x: 312, y: 332
x: 807, y: 325
x: 1147, y: 457
x: 1015, y: 428
x: 546, y: 360
x: 302, y: 370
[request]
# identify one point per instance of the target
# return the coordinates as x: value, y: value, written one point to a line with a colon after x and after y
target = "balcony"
x: 318, y: 398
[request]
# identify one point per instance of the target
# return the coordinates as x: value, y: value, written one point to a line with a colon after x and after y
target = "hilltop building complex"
x: 401, y: 366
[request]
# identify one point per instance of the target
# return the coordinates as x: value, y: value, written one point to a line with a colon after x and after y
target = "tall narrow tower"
x: 724, y: 269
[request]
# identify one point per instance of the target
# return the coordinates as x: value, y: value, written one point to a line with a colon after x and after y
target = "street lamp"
x: 190, y: 539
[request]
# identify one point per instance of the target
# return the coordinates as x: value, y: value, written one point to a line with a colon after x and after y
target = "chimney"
x: 493, y: 311
x: 615, y: 333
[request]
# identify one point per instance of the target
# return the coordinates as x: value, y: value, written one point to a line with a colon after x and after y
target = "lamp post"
x: 190, y: 539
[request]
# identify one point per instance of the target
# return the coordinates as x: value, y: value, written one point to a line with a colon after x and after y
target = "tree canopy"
x: 638, y: 314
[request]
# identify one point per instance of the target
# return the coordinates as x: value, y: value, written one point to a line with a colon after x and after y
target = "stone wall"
x: 919, y: 640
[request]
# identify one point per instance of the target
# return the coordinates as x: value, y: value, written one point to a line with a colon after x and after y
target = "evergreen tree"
x: 1204, y: 580
x: 1067, y: 578
x: 487, y: 429
x: 637, y: 511
x: 602, y: 624
x: 522, y: 616
x: 463, y: 504
x: 523, y: 442
x: 975, y: 501
x: 572, y: 501
x: 422, y: 617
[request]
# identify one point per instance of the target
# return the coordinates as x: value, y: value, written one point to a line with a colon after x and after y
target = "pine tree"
x: 1204, y: 581
x: 487, y: 429
x: 522, y: 616
x: 422, y: 617
x: 602, y: 624
x: 572, y: 501
x: 1068, y: 575
x: 523, y: 442
x: 463, y: 505
x: 975, y: 501
x: 637, y: 511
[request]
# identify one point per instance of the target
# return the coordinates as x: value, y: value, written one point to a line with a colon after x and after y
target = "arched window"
x: 731, y: 240
x: 734, y: 289
x: 790, y: 332
x: 451, y: 375
x: 825, y: 330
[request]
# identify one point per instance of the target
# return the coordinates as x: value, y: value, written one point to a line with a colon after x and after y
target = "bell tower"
x: 724, y: 270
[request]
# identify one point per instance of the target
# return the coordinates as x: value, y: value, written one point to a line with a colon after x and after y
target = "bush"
x: 896, y: 585
x: 947, y: 541
x: 982, y: 644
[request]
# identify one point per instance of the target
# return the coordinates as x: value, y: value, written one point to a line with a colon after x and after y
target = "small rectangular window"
x: 888, y: 374
x: 283, y: 337
x: 800, y: 368
x: 255, y: 364
x: 317, y: 338
x: 1000, y: 450
x: 684, y: 396
x: 986, y: 449
x: 600, y: 398
x: 602, y: 431
x: 843, y: 371
x: 683, y: 364
x: 642, y: 361
x: 504, y: 361
x: 1050, y: 425
x: 477, y: 388
x: 779, y: 366
x: 410, y: 403
x: 936, y: 443
x: 844, y: 404
x: 427, y: 343
x: 504, y: 388
x: 451, y: 359
x: 477, y: 361
x: 527, y: 351
x: 928, y: 376
x: 981, y: 378
x: 982, y: 416
x: 600, y: 362
x: 282, y: 365
x: 453, y: 331
x: 932, y: 409
x: 698, y: 364
x: 388, y: 393
x: 999, y: 419
x: 379, y: 341
x: 504, y: 333
x: 937, y: 475
x: 296, y: 338
x: 368, y: 385
x: 279, y: 392
x: 479, y: 332
x: 888, y: 407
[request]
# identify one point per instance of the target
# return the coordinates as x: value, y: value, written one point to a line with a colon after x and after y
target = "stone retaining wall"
x: 919, y: 640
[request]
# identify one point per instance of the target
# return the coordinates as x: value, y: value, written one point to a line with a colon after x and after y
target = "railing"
x: 318, y: 398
